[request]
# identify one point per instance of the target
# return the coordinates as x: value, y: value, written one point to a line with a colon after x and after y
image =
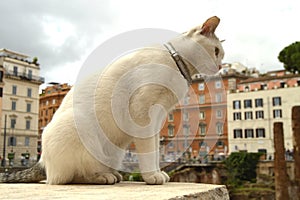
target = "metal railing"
x: 24, y: 76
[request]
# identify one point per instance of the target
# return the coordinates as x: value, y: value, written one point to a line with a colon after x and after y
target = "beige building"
x: 256, y: 105
x: 20, y: 107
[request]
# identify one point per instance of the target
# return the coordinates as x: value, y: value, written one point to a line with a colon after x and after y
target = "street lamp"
x: 4, y: 144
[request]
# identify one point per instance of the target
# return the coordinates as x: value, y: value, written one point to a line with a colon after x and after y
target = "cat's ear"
x: 209, y: 26
x: 207, y: 29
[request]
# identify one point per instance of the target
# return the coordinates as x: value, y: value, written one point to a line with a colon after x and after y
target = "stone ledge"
x: 123, y: 190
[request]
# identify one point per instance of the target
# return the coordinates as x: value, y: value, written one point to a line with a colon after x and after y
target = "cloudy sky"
x: 63, y: 33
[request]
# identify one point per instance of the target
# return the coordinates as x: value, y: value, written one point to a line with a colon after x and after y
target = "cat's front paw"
x: 108, y: 178
x: 156, y: 178
x: 118, y: 176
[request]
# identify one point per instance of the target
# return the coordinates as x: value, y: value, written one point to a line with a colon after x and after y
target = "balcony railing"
x: 24, y: 76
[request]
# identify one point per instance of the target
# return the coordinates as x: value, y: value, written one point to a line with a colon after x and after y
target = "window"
x: 263, y: 86
x: 186, y: 130
x: 237, y: 133
x: 237, y: 116
x: 186, y: 100
x: 13, y: 123
x: 27, y: 141
x: 27, y: 124
x: 170, y: 130
x: 260, y: 132
x: 202, y: 144
x: 1, y: 92
x: 218, y: 97
x: 170, y: 117
x: 247, y: 103
x: 30, y: 74
x: 219, y: 113
x: 259, y: 114
x: 28, y: 107
x: 218, y: 84
x: 185, y: 116
x: 237, y: 104
x: 258, y: 102
x: 171, y: 145
x: 249, y: 133
x: 201, y: 86
x: 15, y: 71
x: 220, y: 143
x: 202, y: 129
x: 277, y: 113
x: 246, y: 88
x: 14, y: 89
x: 54, y: 101
x: 276, y: 101
x: 185, y: 144
x: 13, y: 105
x: 202, y: 115
x: 47, y: 103
x: 29, y: 92
x: 248, y: 115
x: 219, y: 128
x: 1, y: 76
x: 12, y: 141
x: 201, y: 99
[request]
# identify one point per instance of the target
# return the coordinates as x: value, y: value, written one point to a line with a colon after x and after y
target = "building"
x: 1, y: 136
x: 256, y: 105
x: 50, y: 100
x: 20, y: 106
x: 198, y: 125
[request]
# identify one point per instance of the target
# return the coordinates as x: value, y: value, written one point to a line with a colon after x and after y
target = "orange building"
x: 197, y: 127
x: 50, y: 100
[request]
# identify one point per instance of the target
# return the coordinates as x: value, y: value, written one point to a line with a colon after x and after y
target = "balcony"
x: 24, y: 76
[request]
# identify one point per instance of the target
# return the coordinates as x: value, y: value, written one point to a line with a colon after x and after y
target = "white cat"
x: 71, y: 150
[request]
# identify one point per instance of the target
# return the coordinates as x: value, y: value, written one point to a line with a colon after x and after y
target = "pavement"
x: 123, y: 190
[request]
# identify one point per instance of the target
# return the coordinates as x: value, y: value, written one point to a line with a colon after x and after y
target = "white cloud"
x: 61, y: 34
x: 57, y: 30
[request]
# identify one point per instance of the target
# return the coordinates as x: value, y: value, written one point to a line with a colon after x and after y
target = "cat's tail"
x: 32, y: 175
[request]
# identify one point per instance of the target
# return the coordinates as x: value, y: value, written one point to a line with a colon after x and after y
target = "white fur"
x: 65, y: 156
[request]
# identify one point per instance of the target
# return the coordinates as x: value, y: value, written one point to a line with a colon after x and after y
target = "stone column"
x: 296, y: 136
x: 281, y: 177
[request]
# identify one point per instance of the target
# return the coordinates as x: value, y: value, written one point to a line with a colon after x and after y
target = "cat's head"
x: 205, y: 36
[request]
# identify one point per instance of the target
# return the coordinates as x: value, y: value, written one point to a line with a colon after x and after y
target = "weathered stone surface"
x: 296, y: 136
x: 123, y: 190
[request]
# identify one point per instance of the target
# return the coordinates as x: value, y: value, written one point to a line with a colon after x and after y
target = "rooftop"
x: 17, y: 56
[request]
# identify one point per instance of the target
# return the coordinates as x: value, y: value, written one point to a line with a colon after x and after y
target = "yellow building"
x: 256, y: 105
x: 1, y: 95
x: 20, y: 107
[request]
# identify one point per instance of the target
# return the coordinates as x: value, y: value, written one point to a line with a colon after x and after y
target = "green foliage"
x: 134, y: 176
x: 35, y: 60
x: 290, y: 57
x: 241, y: 167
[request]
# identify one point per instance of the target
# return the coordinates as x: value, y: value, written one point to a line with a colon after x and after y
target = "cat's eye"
x: 217, y: 51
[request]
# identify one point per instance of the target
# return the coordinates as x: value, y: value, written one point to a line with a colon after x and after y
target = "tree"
x: 290, y: 57
x: 241, y: 167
